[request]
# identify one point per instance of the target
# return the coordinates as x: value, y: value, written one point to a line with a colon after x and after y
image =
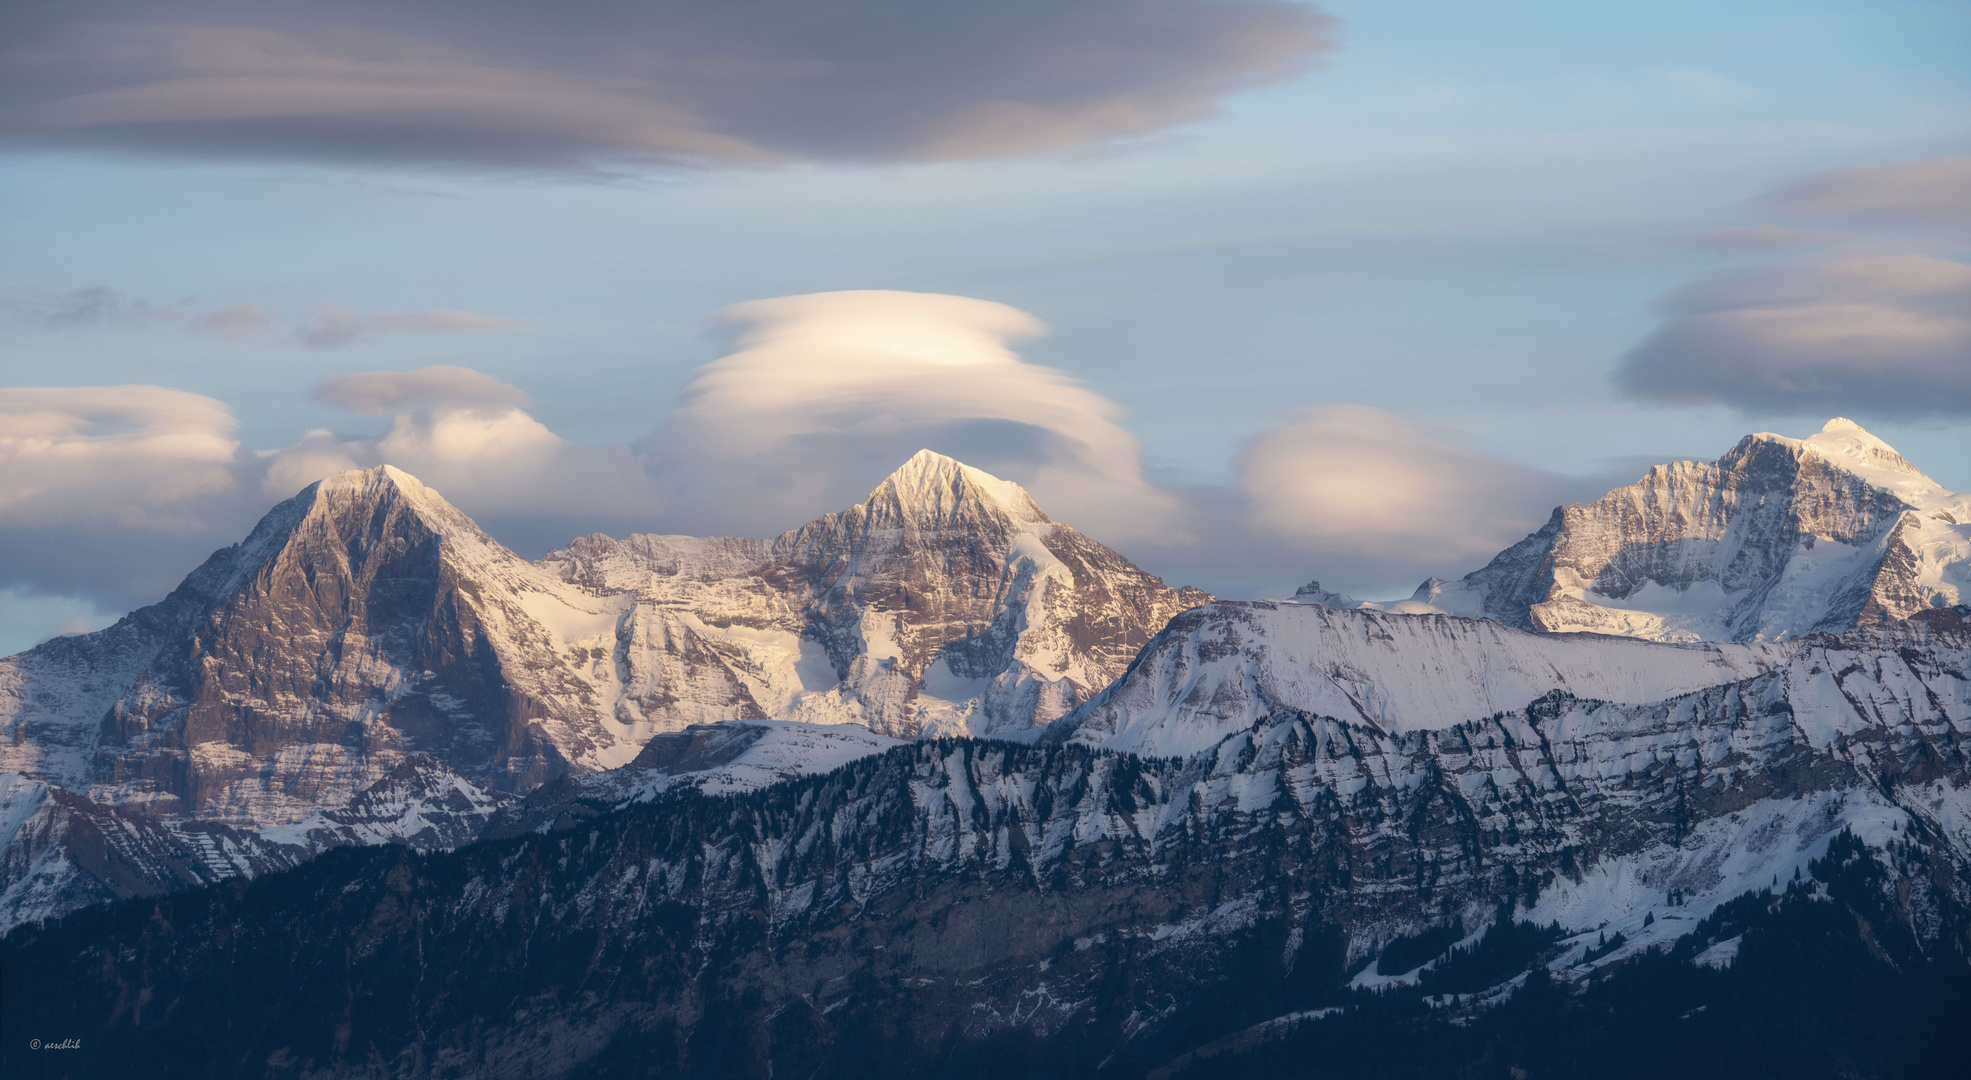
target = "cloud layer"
x: 819, y: 398
x: 1361, y: 482
x: 515, y: 82
x: 1929, y: 193
x: 1888, y: 335
x: 321, y: 326
x: 108, y: 496
x: 137, y: 458
x: 822, y: 392
x: 1865, y: 325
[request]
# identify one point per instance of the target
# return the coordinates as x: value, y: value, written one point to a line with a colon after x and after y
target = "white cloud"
x: 822, y: 390
x: 1348, y: 480
x: 382, y: 393
x: 143, y: 458
x: 819, y: 398
x: 321, y: 326
x: 89, y: 308
x: 1930, y: 193
x: 329, y: 326
x: 464, y: 433
x: 237, y: 320
x: 1875, y: 322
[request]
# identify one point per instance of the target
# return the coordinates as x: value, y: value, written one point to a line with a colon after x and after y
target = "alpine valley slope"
x: 369, y: 666
x: 1778, y: 538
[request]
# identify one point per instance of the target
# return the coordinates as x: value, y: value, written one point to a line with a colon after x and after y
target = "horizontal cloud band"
x: 518, y: 82
x: 1876, y: 324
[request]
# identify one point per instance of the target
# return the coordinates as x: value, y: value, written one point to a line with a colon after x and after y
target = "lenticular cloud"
x: 823, y: 392
x: 603, y: 83
x: 1887, y: 333
x: 135, y: 457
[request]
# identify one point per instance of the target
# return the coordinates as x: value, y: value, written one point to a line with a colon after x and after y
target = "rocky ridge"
x: 366, y: 624
x: 1778, y: 538
x: 946, y: 603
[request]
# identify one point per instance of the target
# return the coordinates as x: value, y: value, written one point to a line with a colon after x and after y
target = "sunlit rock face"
x: 1780, y: 537
x: 946, y: 603
x: 367, y: 623
x: 363, y: 620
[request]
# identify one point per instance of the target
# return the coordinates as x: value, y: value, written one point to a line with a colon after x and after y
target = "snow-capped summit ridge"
x: 932, y: 486
x: 1777, y: 538
x: 378, y: 485
x: 367, y: 479
x: 396, y: 497
x: 1845, y: 445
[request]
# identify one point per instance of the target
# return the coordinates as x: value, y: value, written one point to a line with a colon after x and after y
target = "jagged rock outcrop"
x: 1778, y: 538
x: 913, y: 906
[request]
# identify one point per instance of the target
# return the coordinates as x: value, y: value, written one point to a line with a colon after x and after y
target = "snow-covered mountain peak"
x: 1845, y: 445
x: 370, y: 481
x: 1777, y: 538
x: 387, y: 486
x: 931, y: 488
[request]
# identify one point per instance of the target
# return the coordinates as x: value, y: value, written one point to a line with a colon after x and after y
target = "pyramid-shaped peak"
x: 931, y: 484
x: 388, y: 484
x: 380, y: 484
x: 1845, y: 444
x: 378, y: 479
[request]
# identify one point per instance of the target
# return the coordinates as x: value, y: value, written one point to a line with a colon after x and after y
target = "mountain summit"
x: 1778, y: 538
x: 947, y: 602
x: 933, y: 490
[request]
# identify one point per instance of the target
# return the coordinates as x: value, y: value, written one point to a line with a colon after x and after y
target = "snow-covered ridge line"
x: 1220, y: 668
x: 1778, y: 538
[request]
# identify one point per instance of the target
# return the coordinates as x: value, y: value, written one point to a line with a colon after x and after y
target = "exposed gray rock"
x: 1778, y: 538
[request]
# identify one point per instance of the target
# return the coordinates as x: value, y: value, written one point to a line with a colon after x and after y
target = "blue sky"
x: 1464, y: 218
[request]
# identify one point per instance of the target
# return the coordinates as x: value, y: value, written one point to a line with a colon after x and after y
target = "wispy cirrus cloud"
x: 516, y: 83
x: 320, y: 326
x: 1929, y: 193
x: 88, y: 308
x: 331, y: 326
